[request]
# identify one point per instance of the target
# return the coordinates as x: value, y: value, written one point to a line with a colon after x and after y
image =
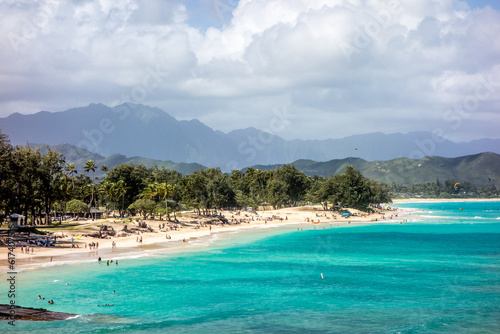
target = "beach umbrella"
x: 79, y: 236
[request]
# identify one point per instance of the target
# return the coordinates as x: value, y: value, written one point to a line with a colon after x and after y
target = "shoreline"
x: 195, y: 239
x: 442, y: 200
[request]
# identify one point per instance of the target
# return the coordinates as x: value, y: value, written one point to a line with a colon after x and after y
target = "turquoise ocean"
x: 437, y: 273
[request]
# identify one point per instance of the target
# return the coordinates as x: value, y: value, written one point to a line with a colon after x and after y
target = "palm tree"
x: 66, y: 192
x: 120, y: 189
x: 91, y: 167
x: 71, y: 171
x: 165, y: 189
x: 151, y: 191
x: 107, y: 189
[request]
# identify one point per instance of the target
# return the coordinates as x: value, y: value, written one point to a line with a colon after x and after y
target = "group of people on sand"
x: 93, y: 245
x: 26, y: 249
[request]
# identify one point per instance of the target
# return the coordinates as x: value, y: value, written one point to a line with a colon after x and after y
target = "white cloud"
x: 388, y: 65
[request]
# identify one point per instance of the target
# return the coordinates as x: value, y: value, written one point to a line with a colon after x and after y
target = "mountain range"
x: 482, y: 169
x: 79, y: 156
x: 135, y: 130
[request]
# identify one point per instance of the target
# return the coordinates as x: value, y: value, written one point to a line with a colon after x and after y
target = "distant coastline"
x: 155, y: 242
x: 442, y: 200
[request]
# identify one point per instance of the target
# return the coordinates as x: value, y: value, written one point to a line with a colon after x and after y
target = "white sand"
x: 64, y: 253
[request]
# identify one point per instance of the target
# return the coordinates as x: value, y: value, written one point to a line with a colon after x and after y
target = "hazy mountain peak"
x: 140, y: 130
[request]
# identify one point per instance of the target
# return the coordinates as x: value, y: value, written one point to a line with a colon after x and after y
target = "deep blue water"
x: 437, y: 274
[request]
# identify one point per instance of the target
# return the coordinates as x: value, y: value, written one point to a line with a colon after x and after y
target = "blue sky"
x: 335, y: 67
x: 204, y: 14
x: 483, y: 3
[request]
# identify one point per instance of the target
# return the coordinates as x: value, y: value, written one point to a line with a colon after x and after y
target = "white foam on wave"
x: 438, y: 217
x: 127, y: 256
x: 56, y: 263
x: 201, y: 243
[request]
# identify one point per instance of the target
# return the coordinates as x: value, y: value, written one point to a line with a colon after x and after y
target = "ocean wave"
x: 201, y: 243
x: 439, y: 217
x: 128, y: 256
x: 62, y: 262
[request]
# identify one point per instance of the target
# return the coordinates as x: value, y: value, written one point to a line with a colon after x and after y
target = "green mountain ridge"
x: 79, y: 156
x: 481, y: 169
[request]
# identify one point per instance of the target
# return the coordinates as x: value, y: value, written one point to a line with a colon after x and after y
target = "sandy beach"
x: 73, y: 250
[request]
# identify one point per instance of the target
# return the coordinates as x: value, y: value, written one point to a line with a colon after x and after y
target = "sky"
x: 300, y: 69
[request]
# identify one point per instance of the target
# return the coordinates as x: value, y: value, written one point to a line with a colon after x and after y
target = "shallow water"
x: 438, y: 274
